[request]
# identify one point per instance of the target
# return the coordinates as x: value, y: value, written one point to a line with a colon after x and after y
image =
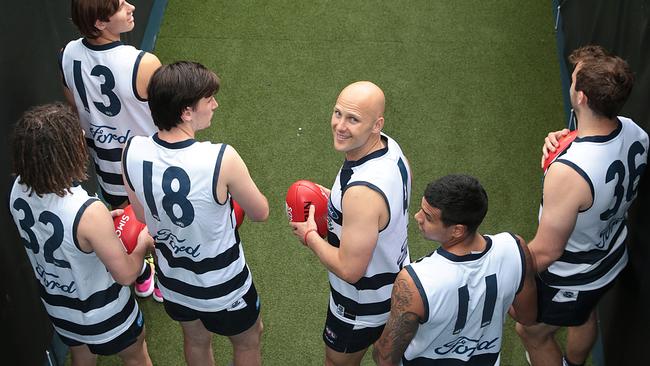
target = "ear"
x: 582, y: 98
x: 186, y: 116
x: 101, y: 25
x: 459, y: 231
x: 379, y: 125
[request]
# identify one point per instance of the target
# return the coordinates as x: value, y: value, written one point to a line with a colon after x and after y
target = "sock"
x: 146, y: 273
x: 569, y: 363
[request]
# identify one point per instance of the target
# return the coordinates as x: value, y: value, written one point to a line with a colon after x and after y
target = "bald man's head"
x: 367, y: 96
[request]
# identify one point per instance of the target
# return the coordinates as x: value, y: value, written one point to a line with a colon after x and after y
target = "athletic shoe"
x: 145, y: 288
x: 157, y: 295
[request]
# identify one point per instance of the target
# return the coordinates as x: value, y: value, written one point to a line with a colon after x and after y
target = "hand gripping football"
x: 564, y: 142
x: 300, y: 196
x: 127, y: 228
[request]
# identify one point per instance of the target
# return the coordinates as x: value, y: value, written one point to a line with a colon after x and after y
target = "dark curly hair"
x: 49, y: 151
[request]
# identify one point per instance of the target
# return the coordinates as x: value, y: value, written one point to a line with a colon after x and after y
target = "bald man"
x: 366, y: 244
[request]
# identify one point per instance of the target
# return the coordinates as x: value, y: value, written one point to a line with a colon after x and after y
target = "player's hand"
x: 117, y: 212
x: 551, y: 142
x: 145, y: 240
x: 325, y: 190
x: 301, y: 228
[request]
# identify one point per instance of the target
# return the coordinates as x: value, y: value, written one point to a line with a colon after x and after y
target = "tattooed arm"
x: 407, y: 310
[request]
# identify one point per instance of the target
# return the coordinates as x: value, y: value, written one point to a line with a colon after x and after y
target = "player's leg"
x: 137, y: 353
x: 247, y: 349
x: 197, y: 343
x: 580, y: 340
x: 81, y: 356
x: 334, y: 358
x: 539, y: 341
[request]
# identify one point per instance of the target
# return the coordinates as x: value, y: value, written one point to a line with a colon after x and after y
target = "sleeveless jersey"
x: 466, y: 299
x: 366, y: 303
x: 612, y: 166
x: 103, y: 82
x: 201, y: 262
x: 80, y: 296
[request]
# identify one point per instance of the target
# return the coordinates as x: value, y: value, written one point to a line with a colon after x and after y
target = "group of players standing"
x: 448, y: 307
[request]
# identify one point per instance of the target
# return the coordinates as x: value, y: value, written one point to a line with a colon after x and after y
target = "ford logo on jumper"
x: 106, y: 134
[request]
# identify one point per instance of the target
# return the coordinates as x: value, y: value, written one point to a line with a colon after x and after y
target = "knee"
x: 534, y: 335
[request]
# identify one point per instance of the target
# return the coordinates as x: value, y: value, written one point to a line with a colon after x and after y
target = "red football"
x: 563, y: 144
x: 239, y: 213
x: 127, y: 228
x: 300, y: 196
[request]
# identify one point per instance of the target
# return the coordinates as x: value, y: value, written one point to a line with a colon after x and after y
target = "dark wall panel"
x: 622, y: 27
x: 31, y: 32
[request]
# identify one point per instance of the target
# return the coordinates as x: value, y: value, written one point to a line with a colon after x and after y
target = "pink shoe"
x: 157, y: 295
x: 145, y: 288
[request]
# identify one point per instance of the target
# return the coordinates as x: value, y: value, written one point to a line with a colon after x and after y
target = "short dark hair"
x: 86, y: 12
x: 461, y: 200
x: 49, y: 149
x: 177, y: 86
x: 606, y: 79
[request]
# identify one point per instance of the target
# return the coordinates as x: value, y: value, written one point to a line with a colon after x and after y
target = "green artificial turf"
x: 471, y: 86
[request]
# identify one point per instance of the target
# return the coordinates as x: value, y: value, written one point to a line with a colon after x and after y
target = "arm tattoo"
x: 401, y: 327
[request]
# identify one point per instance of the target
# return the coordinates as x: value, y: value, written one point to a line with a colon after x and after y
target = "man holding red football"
x: 366, y: 245
x: 579, y: 248
x: 81, y: 267
x: 182, y: 189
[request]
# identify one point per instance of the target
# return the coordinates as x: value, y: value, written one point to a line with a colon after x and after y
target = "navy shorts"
x: 225, y: 322
x: 116, y: 345
x: 566, y: 308
x: 342, y: 337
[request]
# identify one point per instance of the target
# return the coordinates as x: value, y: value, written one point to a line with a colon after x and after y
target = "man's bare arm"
x: 407, y: 308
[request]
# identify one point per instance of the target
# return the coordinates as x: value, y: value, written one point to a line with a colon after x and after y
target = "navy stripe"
x: 491, y: 289
x: 591, y: 256
x: 101, y: 47
x: 463, y: 302
x: 110, y: 178
x: 405, y: 178
x: 609, y: 137
x: 94, y: 301
x: 376, y: 189
x: 478, y: 360
x: 114, y: 154
x: 468, y: 257
x: 423, y: 294
x: 375, y: 154
x: 125, y: 171
x: 583, y: 174
x: 172, y: 145
x: 77, y: 218
x: 585, y: 278
x: 522, y: 256
x: 201, y: 292
x: 134, y: 78
x: 98, y: 328
x: 215, y: 175
x: 220, y: 261
x: 354, y: 309
x: 375, y: 282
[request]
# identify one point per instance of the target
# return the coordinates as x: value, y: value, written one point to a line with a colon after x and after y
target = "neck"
x: 474, y: 243
x: 590, y: 124
x: 104, y: 38
x: 373, y: 145
x: 179, y: 133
